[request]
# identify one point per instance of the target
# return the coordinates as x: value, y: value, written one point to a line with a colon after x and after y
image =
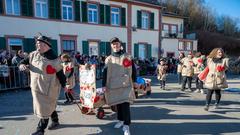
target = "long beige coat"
x: 215, y: 79
x: 162, y: 72
x: 197, y: 65
x: 45, y: 86
x: 187, y: 67
x: 66, y: 70
x: 119, y: 80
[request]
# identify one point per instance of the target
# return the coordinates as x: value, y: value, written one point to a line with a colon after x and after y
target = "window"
x: 67, y: 10
x: 166, y: 27
x: 142, y: 51
x: 170, y: 55
x: 181, y: 28
x: 93, y: 48
x: 165, y: 30
x: 41, y: 8
x: 15, y: 44
x: 185, y: 45
x: 188, y: 46
x: 68, y: 46
x: 115, y: 16
x: 181, y: 45
x: 92, y: 13
x: 173, y: 29
x: 145, y: 20
x: 12, y: 7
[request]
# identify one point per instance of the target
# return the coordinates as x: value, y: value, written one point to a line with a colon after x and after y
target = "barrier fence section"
x: 12, y: 78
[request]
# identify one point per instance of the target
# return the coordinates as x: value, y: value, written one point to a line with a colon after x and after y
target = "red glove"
x: 220, y: 68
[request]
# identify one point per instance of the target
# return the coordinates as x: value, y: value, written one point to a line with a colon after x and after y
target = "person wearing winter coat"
x: 179, y: 67
x: 216, y: 78
x: 68, y: 70
x: 119, y: 75
x: 47, y: 77
x: 162, y: 73
x: 187, y: 72
x: 199, y: 66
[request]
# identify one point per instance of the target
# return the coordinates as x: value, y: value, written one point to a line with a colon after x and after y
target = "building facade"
x: 173, y: 40
x: 87, y: 26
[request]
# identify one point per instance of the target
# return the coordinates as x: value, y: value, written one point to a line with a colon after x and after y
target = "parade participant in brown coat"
x: 216, y: 77
x: 198, y: 68
x: 118, y: 77
x: 46, y: 80
x: 162, y: 73
x: 187, y: 71
x: 179, y: 67
x: 68, y: 70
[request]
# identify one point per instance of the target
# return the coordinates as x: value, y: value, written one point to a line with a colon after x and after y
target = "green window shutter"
x: 2, y: 43
x: 54, y: 9
x: 85, y: 47
x: 30, y: 9
x: 58, y: 9
x: 151, y: 20
x: 54, y: 46
x: 51, y: 9
x: 149, y: 50
x: 77, y: 10
x: 108, y: 14
x: 102, y: 14
x: 139, y: 19
x: 29, y: 45
x: 102, y: 48
x: 27, y: 7
x: 108, y: 48
x: 123, y: 16
x: 136, y: 49
x: 1, y: 6
x: 84, y: 11
x: 124, y: 47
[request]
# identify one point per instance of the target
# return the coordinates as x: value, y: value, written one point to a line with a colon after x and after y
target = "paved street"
x: 168, y: 112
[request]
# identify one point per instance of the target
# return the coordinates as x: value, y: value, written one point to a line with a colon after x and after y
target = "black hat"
x: 44, y: 39
x: 115, y: 39
x: 162, y: 59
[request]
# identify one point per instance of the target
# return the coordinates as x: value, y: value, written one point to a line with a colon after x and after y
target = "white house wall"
x: 170, y: 45
x: 195, y: 45
x: 29, y: 27
x: 146, y: 36
x: 176, y: 21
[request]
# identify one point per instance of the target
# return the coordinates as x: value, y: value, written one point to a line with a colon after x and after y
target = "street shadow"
x: 143, y: 127
x: 154, y: 113
x: 14, y: 119
x: 168, y: 95
x: 184, y: 102
x: 170, y: 128
x: 61, y: 126
x: 184, y: 128
x: 16, y: 103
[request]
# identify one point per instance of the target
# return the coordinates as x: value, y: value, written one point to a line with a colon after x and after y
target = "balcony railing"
x: 171, y: 35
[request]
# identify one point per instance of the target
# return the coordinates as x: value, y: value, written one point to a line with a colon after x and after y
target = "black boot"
x: 53, y: 125
x: 38, y: 133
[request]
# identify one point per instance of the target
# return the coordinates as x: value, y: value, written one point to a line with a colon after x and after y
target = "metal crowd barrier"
x: 12, y: 78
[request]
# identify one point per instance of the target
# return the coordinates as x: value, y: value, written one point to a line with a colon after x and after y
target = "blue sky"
x: 226, y: 7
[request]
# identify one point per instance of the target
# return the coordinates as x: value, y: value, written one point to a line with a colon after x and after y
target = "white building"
x: 87, y: 26
x: 173, y: 40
